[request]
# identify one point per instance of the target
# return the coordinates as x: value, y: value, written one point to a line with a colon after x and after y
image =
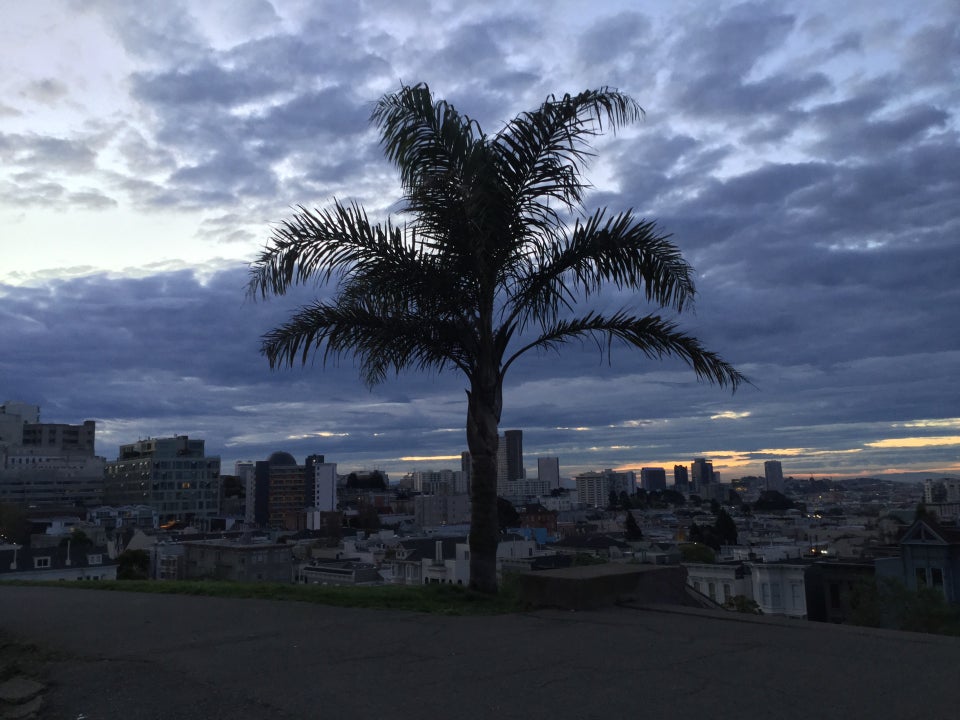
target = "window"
x: 696, y: 585
x: 95, y: 559
x: 727, y: 594
x: 936, y: 577
x: 921, y: 574
x: 795, y: 594
x: 765, y: 593
x: 41, y: 562
x: 712, y: 590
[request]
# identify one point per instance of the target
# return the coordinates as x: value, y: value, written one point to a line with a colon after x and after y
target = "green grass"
x: 435, y: 599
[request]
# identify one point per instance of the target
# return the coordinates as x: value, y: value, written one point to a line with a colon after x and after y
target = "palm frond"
x: 542, y: 153
x: 379, y: 341
x: 316, y: 244
x: 619, y: 250
x: 652, y: 335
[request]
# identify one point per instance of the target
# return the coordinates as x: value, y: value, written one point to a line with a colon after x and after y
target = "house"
x: 446, y: 560
x: 421, y: 561
x: 238, y: 560
x: 347, y: 571
x: 929, y: 557
x: 70, y: 561
x: 776, y: 587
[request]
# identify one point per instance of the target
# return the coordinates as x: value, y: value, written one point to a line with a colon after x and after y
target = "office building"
x: 701, y: 474
x: 172, y: 475
x: 681, y: 478
x: 47, y: 464
x: 653, y: 478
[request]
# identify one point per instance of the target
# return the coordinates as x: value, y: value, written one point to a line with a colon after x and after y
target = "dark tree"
x: 725, y: 528
x: 613, y: 500
x: 14, y: 525
x: 493, y: 255
x: 133, y: 565
x: 632, y: 528
x: 507, y: 515
x: 772, y: 501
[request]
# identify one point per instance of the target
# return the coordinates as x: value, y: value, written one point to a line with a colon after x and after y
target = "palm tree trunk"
x: 483, y: 415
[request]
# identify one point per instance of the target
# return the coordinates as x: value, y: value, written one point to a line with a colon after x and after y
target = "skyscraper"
x: 681, y: 478
x: 701, y: 473
x: 653, y: 478
x: 773, y: 473
x: 513, y: 442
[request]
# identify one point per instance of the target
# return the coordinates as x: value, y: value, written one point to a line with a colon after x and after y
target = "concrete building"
x: 548, y: 471
x: 173, y: 475
x: 47, y: 464
x: 282, y: 493
x: 773, y: 474
x: 681, y: 478
x: 439, y: 482
x: 432, y: 510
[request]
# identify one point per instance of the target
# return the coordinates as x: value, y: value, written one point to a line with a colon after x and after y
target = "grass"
x: 434, y: 599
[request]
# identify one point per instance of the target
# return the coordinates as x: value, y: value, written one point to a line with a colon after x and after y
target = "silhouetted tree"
x: 133, y: 565
x: 632, y: 528
x: 486, y: 266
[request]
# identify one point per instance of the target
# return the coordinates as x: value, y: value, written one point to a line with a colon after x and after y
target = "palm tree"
x: 487, y: 266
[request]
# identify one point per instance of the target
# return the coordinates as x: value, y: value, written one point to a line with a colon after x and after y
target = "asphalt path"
x: 144, y: 656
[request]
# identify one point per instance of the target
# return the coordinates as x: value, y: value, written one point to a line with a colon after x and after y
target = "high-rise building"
x: 172, y: 475
x: 513, y: 446
x: 653, y: 478
x: 594, y: 488
x: 681, y: 478
x: 701, y: 473
x: 548, y: 471
x: 49, y: 464
x: 773, y: 474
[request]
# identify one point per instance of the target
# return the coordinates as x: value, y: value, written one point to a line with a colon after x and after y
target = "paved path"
x: 143, y: 656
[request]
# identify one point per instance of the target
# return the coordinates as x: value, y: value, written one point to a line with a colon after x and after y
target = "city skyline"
x: 804, y: 160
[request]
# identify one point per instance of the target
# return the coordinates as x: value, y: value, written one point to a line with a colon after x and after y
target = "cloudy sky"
x: 805, y: 157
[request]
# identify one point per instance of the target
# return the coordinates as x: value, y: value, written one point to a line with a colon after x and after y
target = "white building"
x: 776, y: 587
x: 594, y: 488
x: 325, y: 488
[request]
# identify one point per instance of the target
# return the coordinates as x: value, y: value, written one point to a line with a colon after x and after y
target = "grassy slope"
x: 437, y: 599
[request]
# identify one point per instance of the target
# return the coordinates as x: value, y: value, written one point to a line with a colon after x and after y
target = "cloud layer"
x: 805, y: 162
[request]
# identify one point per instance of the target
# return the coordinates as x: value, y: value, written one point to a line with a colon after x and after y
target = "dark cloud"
x: 809, y: 174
